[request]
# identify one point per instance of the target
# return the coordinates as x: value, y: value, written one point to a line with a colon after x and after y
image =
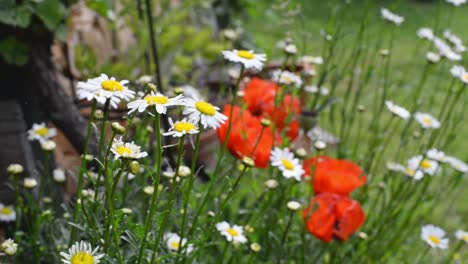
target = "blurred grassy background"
x: 268, y: 26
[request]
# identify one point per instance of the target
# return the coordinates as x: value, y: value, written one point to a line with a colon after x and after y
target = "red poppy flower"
x: 331, y: 215
x: 333, y: 175
x: 245, y: 132
x: 259, y: 95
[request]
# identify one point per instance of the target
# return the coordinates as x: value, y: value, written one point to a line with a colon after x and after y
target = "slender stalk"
x: 150, y: 215
x: 82, y: 169
x: 180, y: 154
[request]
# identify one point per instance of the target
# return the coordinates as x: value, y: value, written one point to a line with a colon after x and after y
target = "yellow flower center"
x: 184, y: 126
x: 465, y: 237
x: 245, y: 54
x: 434, y: 239
x: 232, y: 232
x: 6, y: 211
x: 112, y: 86
x: 82, y: 258
x: 123, y: 151
x: 205, y: 108
x: 287, y: 164
x: 425, y: 164
x: 410, y: 172
x: 175, y: 244
x: 427, y: 121
x: 465, y: 77
x: 287, y: 79
x: 42, y: 131
x: 153, y: 99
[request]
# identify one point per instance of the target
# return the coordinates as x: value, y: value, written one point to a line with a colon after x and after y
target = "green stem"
x: 150, y: 215
x: 82, y: 170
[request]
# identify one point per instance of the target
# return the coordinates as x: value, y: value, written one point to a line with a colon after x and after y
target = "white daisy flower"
x: 29, y: 182
x: 437, y: 155
x: 434, y: 236
x: 159, y: 101
x: 412, y: 173
x: 432, y: 57
x: 425, y: 33
x: 314, y: 89
x: 181, y: 128
x: 393, y: 166
x: 247, y: 57
x: 233, y: 233
x: 311, y: 60
x: 126, y: 150
x: 455, y: 40
x: 103, y: 88
x: 426, y: 120
x: 173, y: 243
x: 41, y: 132
x: 459, y: 72
x: 397, y: 110
x: 456, y: 2
x: 458, y: 164
x: 462, y: 235
x: 284, y: 160
x: 200, y: 111
x: 59, y: 175
x: 428, y: 166
x: 392, y: 17
x: 9, y: 247
x: 81, y: 252
x: 445, y: 50
x: 7, y: 213
x: 287, y: 78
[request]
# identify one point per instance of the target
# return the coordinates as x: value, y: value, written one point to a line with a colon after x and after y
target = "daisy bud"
x: 293, y: 205
x: 168, y: 174
x: 98, y: 114
x: 181, y: 210
x: 230, y: 34
x: 382, y: 185
x: 384, y: 52
x: 46, y: 212
x: 240, y: 93
x: 361, y: 108
x: 363, y: 235
x: 432, y: 57
x: 255, y: 247
x: 211, y: 213
x: 9, y: 247
x: 290, y: 49
x: 48, y: 145
x: 15, y: 169
x: 320, y: 145
x: 416, y: 134
x: 184, y: 171
x: 265, y: 122
x: 271, y: 184
x: 127, y: 211
x: 144, y: 79
x: 29, y: 183
x: 66, y: 215
x: 301, y: 153
x: 118, y: 128
x: 59, y: 175
x: 248, y: 162
x: 178, y: 90
x: 151, y: 87
x: 87, y: 157
x: 47, y: 200
x: 134, y: 167
x: 149, y: 190
x: 249, y: 229
x: 149, y: 129
x: 233, y: 73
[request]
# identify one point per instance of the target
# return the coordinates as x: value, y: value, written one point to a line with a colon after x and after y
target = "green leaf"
x: 18, y: 16
x: 14, y: 51
x: 50, y: 12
